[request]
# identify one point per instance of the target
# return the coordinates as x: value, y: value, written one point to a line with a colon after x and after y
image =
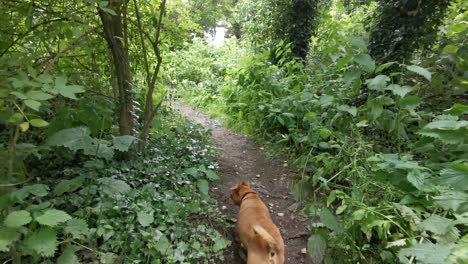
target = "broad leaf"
x: 53, y: 217
x: 65, y: 90
x: 7, y: 237
x: 428, y: 253
x: 144, y: 218
x: 203, y: 186
x: 352, y: 110
x: 421, y: 71
x: 378, y: 83
x: 76, y: 227
x: 38, y: 123
x: 456, y: 177
x: 112, y: 186
x: 211, y: 175
x: 32, y: 104
x: 316, y: 248
x: 384, y: 66
x: 410, y: 102
x: 17, y: 219
x: 39, y: 95
x: 437, y: 225
x: 68, y: 257
x: 65, y: 186
x: 401, y: 91
x: 123, y: 143
x: 329, y: 220
x: 457, y: 109
x: 453, y: 200
x: 43, y: 241
x: 366, y: 61
x: 72, y: 138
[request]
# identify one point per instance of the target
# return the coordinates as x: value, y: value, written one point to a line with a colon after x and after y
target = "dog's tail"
x: 266, y: 237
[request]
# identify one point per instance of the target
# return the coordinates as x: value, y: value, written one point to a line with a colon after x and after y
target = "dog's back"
x: 256, y: 230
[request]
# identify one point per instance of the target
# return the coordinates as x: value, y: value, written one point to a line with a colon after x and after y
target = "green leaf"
x: 211, y: 175
x: 68, y: 186
x: 366, y: 61
x: 38, y: 123
x: 17, y: 218
x: 19, y: 95
x: 68, y: 257
x: 349, y: 77
x: 40, y: 190
x: 428, y: 253
x: 39, y: 95
x: 417, y: 179
x: 203, y: 186
x: 453, y: 200
x: 384, y: 66
x: 32, y: 104
x: 352, y: 110
x: 421, y: 71
x: 401, y: 91
x: 109, y: 11
x: 455, y: 177
x: 329, y: 220
x: 123, y: 143
x: 457, y: 109
x: 437, y: 225
x: 7, y: 237
x: 15, y: 118
x: 359, y: 43
x: 325, y: 133
x: 65, y: 90
x: 112, y: 186
x: 72, y: 138
x: 447, y: 124
x: 316, y: 248
x: 24, y: 126
x: 144, y: 218
x: 410, y: 102
x: 76, y: 227
x: 43, y: 241
x: 378, y: 83
x: 192, y: 171
x: 163, y: 245
x: 460, y: 252
x: 53, y: 217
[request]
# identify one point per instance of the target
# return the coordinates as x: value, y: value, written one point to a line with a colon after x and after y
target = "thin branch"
x: 143, y: 45
x: 29, y: 31
x: 67, y: 49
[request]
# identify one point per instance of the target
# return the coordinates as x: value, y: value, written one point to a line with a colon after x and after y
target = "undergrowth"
x: 74, y: 207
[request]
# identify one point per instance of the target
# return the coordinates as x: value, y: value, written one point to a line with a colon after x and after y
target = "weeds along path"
x: 242, y: 160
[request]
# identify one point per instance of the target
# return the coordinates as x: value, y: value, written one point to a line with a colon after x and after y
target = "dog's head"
x: 264, y: 248
x: 238, y: 191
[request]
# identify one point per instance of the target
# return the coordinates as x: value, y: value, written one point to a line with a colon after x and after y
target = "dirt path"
x: 242, y: 160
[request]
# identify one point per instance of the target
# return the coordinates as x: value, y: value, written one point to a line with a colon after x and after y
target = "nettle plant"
x: 415, y: 199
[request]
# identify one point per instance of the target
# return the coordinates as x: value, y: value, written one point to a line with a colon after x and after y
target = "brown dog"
x: 258, y: 234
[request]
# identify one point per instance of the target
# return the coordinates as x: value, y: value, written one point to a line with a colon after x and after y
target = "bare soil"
x: 241, y: 159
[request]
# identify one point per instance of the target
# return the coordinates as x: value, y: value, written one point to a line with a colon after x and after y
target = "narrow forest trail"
x: 241, y: 159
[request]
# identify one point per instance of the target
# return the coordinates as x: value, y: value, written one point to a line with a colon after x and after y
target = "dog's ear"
x: 245, y: 183
x: 235, y: 187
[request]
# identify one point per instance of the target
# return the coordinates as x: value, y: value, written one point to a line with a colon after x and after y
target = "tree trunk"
x: 114, y: 35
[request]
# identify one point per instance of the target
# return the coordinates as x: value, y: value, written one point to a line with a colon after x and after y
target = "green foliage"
x: 384, y: 144
x: 401, y: 27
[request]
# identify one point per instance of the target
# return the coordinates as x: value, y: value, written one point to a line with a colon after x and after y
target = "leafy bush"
x: 387, y: 154
x: 96, y: 207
